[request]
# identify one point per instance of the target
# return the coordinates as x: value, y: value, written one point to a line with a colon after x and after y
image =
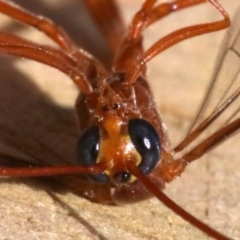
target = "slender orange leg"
x: 139, y: 65
x: 177, y: 167
x: 131, y: 48
x: 108, y: 19
x: 164, y: 9
x: 206, y: 123
x: 74, y: 64
x: 150, y: 14
x: 212, y: 141
x: 56, y: 33
x: 51, y: 57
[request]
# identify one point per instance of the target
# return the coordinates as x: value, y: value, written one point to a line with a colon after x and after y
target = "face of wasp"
x: 116, y: 142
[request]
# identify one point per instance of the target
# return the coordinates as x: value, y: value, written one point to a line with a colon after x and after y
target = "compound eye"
x: 87, y: 152
x: 147, y: 143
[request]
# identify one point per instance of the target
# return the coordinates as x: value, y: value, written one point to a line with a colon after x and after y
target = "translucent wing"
x: 221, y: 104
x: 29, y: 121
x: 226, y: 78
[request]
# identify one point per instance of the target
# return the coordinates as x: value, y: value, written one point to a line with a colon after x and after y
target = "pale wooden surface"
x: 208, y: 189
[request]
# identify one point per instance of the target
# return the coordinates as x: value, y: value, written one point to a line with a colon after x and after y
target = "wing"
x: 221, y: 104
x: 31, y: 124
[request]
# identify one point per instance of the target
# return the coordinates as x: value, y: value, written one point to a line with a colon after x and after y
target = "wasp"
x: 123, y: 147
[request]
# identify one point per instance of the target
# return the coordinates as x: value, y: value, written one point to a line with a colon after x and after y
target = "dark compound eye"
x: 147, y: 143
x: 87, y: 152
